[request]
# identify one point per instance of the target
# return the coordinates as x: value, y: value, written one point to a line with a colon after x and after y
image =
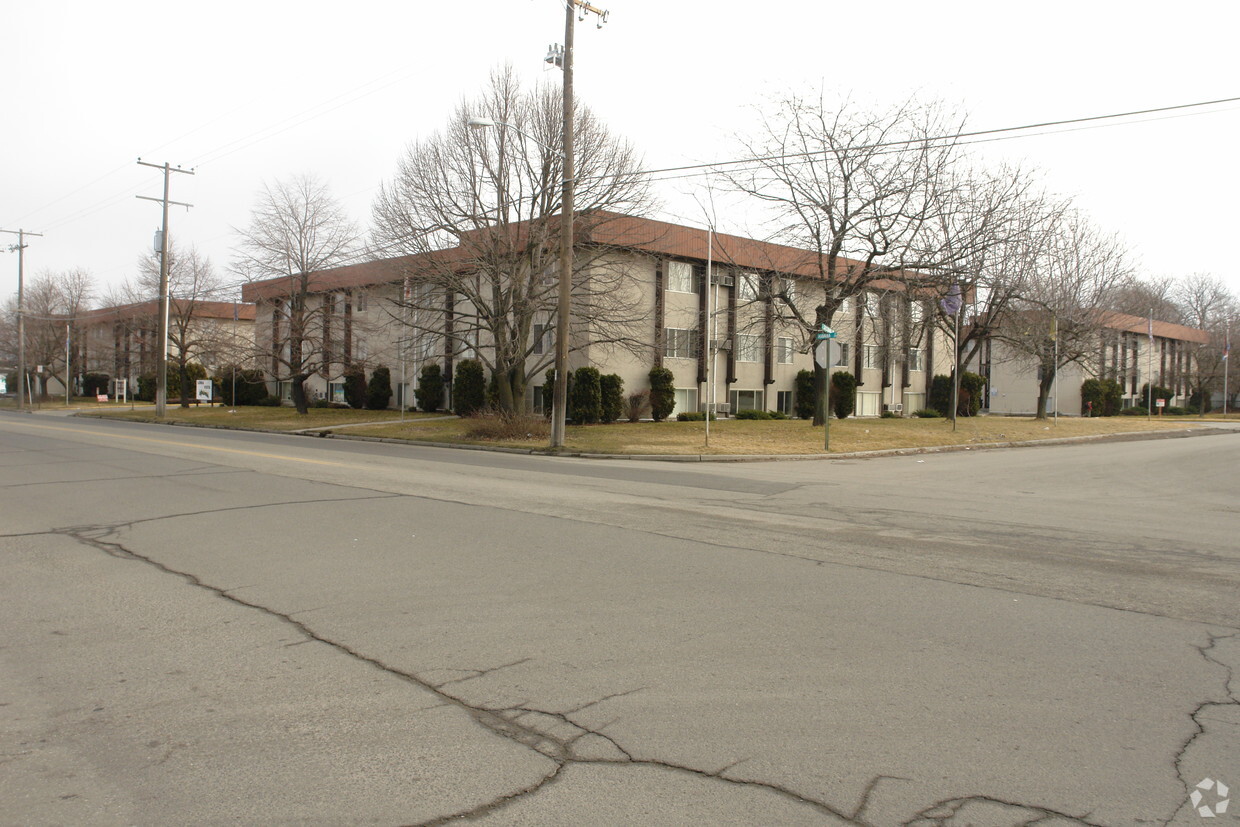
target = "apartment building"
x: 1131, y: 350
x: 719, y: 311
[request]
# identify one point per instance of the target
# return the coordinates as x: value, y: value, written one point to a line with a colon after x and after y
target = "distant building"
x: 1123, y: 354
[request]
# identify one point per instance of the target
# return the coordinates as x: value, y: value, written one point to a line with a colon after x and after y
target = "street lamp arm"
x: 478, y: 122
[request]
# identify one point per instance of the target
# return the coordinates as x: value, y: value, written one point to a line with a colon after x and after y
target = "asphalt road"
x: 218, y: 627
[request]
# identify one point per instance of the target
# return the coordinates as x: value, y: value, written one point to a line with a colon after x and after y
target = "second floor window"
x: 680, y: 277
x: 783, y: 350
x: 870, y: 357
x: 748, y: 348
x: 915, y: 361
x: 679, y: 343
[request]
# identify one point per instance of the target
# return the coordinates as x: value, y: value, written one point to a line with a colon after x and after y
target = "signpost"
x: 825, y: 336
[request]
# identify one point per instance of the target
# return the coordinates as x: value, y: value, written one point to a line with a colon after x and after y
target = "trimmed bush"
x: 494, y: 424
x: 585, y: 403
x: 972, y: 393
x: 251, y: 386
x: 940, y: 398
x: 1174, y: 410
x: 95, y: 383
x: 662, y: 393
x: 612, y: 388
x: 927, y: 413
x: 778, y: 414
x: 1105, y: 394
x: 469, y: 389
x: 1136, y: 410
x: 1159, y: 393
x: 355, y: 386
x: 752, y: 413
x: 843, y: 394
x: 1196, y: 399
x: 804, y: 395
x: 693, y: 416
x: 549, y: 391
x: 638, y: 405
x: 269, y: 402
x: 379, y: 389
x: 429, y: 392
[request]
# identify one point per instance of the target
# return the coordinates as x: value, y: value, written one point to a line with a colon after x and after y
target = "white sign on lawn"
x: 204, y: 390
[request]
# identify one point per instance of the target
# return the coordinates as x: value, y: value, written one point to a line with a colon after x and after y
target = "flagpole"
x: 1226, y: 365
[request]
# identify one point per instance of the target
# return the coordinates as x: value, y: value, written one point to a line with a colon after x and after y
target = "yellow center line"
x: 183, y: 444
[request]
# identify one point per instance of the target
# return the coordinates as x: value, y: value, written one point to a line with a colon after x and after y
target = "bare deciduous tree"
x: 53, y: 303
x: 191, y: 281
x: 297, y: 229
x: 1065, y: 301
x: 861, y: 192
x: 478, y: 212
x: 1206, y: 303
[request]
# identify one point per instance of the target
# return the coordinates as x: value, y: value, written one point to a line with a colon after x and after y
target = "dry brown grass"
x: 268, y: 419
x: 791, y: 437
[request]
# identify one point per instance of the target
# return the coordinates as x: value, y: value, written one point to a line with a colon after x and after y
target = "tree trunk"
x: 820, y: 385
x: 1044, y: 389
x: 299, y: 394
x: 184, y: 384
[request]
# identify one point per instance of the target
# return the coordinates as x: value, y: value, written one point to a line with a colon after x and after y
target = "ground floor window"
x: 402, y: 393
x: 335, y: 392
x: 868, y: 403
x: 745, y: 401
x: 783, y: 402
x: 542, y: 402
x: 285, y: 390
x: 686, y: 400
x: 914, y: 402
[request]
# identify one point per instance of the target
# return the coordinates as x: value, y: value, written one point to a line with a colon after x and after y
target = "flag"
x: 951, y: 303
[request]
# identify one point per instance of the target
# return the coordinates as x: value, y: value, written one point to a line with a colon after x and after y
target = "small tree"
x: 192, y: 371
x: 843, y: 394
x: 470, y: 388
x: 1159, y: 393
x: 585, y: 406
x: 612, y: 387
x: 804, y: 396
x: 662, y: 394
x: 355, y: 386
x: 638, y: 405
x: 379, y: 389
x: 429, y: 392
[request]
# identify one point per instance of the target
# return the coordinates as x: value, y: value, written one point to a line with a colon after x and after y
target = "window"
x: 789, y: 288
x: 783, y: 402
x: 679, y: 343
x: 916, y: 312
x: 783, y: 350
x: 335, y: 392
x: 747, y: 287
x: 846, y: 305
x: 542, y: 339
x: 868, y: 403
x: 746, y: 400
x: 870, y: 357
x: 680, y: 277
x: 686, y: 400
x: 842, y: 361
x: 872, y: 303
x: 359, y: 302
x: 748, y: 348
x: 915, y: 361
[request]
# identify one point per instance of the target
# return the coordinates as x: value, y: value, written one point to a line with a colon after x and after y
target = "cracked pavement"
x: 238, y: 628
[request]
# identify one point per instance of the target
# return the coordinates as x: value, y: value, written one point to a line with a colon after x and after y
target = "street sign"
x: 827, y: 353
x: 824, y: 333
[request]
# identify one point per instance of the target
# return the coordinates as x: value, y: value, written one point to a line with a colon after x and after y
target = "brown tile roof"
x: 602, y: 228
x: 1165, y: 330
x: 202, y: 310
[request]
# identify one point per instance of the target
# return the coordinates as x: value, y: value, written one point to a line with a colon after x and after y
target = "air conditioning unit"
x: 726, y: 279
x: 721, y: 344
x: 898, y: 407
x: 723, y: 408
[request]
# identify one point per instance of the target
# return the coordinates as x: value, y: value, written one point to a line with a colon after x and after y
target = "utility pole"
x: 21, y: 311
x: 161, y: 370
x: 559, y: 405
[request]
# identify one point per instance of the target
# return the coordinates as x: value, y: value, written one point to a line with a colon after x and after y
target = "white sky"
x: 247, y: 92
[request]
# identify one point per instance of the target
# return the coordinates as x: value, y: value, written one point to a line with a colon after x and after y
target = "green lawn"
x: 738, y: 437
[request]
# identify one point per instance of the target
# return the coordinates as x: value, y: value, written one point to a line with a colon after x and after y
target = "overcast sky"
x: 259, y: 91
